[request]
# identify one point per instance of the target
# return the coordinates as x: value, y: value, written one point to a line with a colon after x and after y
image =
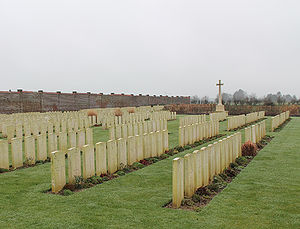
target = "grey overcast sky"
x: 151, y: 47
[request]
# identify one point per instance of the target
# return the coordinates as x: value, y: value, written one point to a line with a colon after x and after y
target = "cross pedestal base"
x: 220, y: 108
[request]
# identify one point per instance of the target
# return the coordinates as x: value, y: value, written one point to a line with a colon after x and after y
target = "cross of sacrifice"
x: 220, y: 84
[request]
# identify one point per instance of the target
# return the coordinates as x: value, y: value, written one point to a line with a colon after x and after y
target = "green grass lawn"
x: 264, y: 195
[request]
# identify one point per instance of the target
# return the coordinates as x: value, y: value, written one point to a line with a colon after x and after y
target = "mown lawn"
x: 264, y: 195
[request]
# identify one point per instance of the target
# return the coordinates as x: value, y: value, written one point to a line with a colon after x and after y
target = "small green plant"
x: 67, y: 192
x: 187, y: 147
x: 3, y: 170
x: 220, y: 182
x: 39, y: 162
x: 187, y: 202
x: 179, y: 148
x: 94, y: 180
x: 126, y: 169
x: 196, y: 198
x: 164, y: 156
x: 122, y: 166
x: 214, y: 187
x: 207, y: 197
x: 120, y: 173
x: 231, y: 172
x: 203, y: 191
x: 105, y: 178
x: 223, y: 176
x: 115, y: 175
x: 78, y: 181
x: 154, y: 159
x: 233, y: 165
x: 99, y: 180
x: 241, y: 161
x: 137, y: 165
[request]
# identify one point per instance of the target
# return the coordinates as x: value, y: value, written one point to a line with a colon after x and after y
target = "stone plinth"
x: 220, y: 108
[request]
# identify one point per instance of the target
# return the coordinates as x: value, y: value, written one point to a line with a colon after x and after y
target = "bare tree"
x: 240, y: 97
x: 227, y: 98
x: 195, y: 99
x: 205, y: 100
x: 253, y: 100
x: 294, y: 99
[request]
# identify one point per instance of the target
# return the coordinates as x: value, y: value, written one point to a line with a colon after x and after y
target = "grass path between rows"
x: 264, y: 195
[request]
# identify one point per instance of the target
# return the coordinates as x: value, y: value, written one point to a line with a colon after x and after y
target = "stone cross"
x: 220, y: 84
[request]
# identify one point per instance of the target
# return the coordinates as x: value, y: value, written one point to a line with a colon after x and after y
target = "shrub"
x: 118, y: 112
x: 92, y: 113
x: 131, y: 110
x: 249, y: 149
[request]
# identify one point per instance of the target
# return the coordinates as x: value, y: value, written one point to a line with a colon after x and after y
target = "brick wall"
x: 233, y: 109
x: 28, y: 101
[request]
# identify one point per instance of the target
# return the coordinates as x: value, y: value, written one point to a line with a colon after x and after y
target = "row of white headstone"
x: 110, y: 120
x: 101, y: 112
x: 241, y: 120
x: 254, y: 116
x: 105, y: 157
x: 167, y: 115
x: 197, y: 169
x: 39, y: 148
x: 277, y: 120
x: 11, y: 130
x: 192, y: 119
x: 35, y: 123
x: 255, y: 133
x: 129, y: 129
x: 192, y: 133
